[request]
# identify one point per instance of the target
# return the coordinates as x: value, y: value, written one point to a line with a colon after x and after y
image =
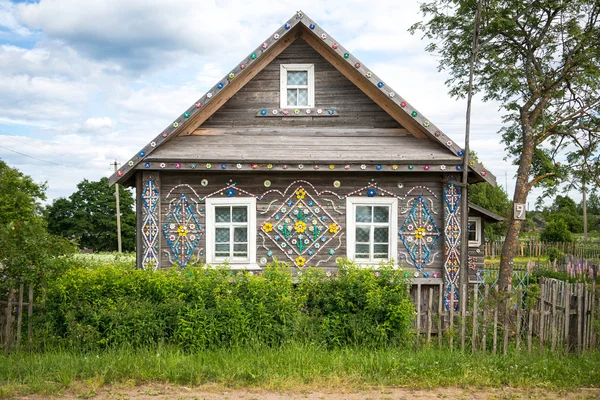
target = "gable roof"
x: 299, y: 25
x: 490, y: 215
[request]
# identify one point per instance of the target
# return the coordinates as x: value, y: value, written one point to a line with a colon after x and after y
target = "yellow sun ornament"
x: 334, y: 228
x: 267, y: 227
x: 182, y: 231
x: 419, y: 233
x: 300, y: 261
x: 300, y: 194
x: 300, y: 227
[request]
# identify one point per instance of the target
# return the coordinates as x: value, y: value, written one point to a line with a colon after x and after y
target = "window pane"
x: 222, y: 235
x: 472, y: 235
x: 240, y: 235
x: 240, y: 250
x: 381, y: 214
x: 222, y: 250
x: 380, y: 251
x: 381, y: 235
x: 363, y: 213
x: 222, y: 214
x: 362, y: 235
x: 361, y: 251
x: 292, y: 97
x: 240, y: 214
x: 297, y: 78
x: 302, y: 97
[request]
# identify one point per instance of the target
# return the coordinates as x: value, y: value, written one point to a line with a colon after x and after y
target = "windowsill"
x: 474, y: 244
x: 236, y: 266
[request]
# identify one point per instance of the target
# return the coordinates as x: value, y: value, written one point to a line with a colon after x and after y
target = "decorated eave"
x: 301, y: 25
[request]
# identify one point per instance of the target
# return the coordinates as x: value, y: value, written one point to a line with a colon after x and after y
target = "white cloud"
x: 8, y: 20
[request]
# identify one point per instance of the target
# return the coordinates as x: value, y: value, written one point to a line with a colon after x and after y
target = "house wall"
x: 412, y: 191
x: 332, y: 89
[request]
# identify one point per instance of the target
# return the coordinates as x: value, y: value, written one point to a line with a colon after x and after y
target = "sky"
x: 85, y: 83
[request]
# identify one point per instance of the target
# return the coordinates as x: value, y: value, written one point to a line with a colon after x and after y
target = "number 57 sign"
x: 519, y: 211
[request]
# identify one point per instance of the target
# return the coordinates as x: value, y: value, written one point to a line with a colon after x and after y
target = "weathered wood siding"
x: 318, y: 186
x: 332, y: 89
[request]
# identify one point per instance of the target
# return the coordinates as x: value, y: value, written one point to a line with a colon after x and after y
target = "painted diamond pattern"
x: 182, y: 230
x: 301, y: 227
x: 150, y: 199
x: 452, y: 232
x: 419, y: 233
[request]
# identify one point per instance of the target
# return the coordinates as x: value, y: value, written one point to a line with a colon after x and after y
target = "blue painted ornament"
x: 287, y: 26
x: 378, y: 167
x: 312, y: 26
x: 263, y: 112
x: 147, y: 165
x: 331, y: 252
x: 270, y: 253
x: 380, y: 84
x: 223, y: 166
x: 459, y: 167
x: 371, y: 192
x: 230, y: 192
x: 461, y: 153
x: 330, y: 111
x: 142, y: 154
x: 220, y: 85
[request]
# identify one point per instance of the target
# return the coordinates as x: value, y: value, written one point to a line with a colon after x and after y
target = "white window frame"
x: 250, y: 203
x: 477, y: 222
x: 351, y: 203
x: 283, y: 86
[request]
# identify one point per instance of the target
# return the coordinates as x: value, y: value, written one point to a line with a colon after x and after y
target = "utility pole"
x: 464, y: 246
x: 118, y: 212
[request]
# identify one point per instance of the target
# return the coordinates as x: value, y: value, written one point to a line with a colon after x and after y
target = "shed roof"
x: 490, y: 215
x: 428, y: 140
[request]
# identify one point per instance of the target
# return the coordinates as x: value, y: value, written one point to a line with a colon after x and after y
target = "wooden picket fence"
x: 532, y: 248
x: 12, y: 311
x: 562, y: 316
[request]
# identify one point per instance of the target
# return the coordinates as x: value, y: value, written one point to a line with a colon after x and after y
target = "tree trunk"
x: 521, y: 192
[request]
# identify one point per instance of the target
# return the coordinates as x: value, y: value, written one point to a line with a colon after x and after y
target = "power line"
x: 31, y: 144
x: 35, y: 158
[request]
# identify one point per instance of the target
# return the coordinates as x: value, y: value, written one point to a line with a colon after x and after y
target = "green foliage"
x: 495, y: 199
x: 202, y: 307
x: 555, y: 254
x: 88, y: 217
x: 556, y: 231
x: 27, y: 252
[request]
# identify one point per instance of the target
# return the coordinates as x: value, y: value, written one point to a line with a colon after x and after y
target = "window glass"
x: 240, y: 214
x: 363, y: 235
x: 302, y: 97
x: 363, y: 213
x: 297, y: 78
x: 221, y: 235
x: 381, y: 214
x: 292, y: 97
x: 222, y: 214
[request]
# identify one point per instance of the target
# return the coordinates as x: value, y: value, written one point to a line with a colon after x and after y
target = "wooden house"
x: 303, y: 154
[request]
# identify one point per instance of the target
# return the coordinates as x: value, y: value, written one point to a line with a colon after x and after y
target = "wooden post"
x: 484, y: 319
x: 418, y: 338
x: 518, y: 332
x: 586, y: 325
x: 440, y: 310
x: 118, y: 213
x: 475, y: 312
x: 495, y: 341
x: 593, y: 316
x: 8, y: 328
x: 20, y: 314
x: 541, y: 321
x: 567, y: 295
x: 429, y: 310
x: 529, y: 329
x: 451, y: 339
x: 579, y: 317
x: 30, y: 315
x: 553, y: 326
x: 507, y: 320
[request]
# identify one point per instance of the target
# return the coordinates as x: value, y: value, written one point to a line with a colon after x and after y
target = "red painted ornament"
x: 334, y: 46
x: 120, y: 173
x: 426, y: 167
x: 242, y: 66
x: 265, y: 45
x: 198, y: 105
x: 178, y: 165
x: 254, y: 166
x: 403, y: 104
x: 357, y: 65
x: 437, y: 133
x: 483, y: 172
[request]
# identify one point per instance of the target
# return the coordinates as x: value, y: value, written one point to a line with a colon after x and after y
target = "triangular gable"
x: 300, y: 25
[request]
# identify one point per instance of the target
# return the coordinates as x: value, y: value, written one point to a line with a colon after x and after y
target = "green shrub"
x: 555, y: 254
x: 203, y: 307
x: 556, y: 231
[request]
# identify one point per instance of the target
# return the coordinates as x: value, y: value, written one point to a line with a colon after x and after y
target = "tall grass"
x: 293, y: 367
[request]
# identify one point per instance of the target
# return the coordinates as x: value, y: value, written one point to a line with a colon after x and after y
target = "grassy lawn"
x: 292, y: 367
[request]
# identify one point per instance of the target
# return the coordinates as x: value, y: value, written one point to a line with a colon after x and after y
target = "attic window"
x: 297, y: 84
